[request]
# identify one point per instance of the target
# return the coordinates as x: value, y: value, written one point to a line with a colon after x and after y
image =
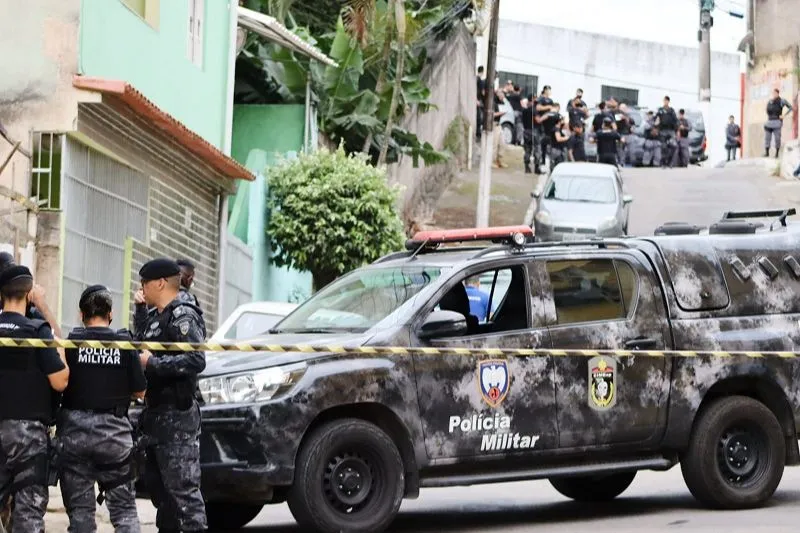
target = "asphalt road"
x: 657, y: 501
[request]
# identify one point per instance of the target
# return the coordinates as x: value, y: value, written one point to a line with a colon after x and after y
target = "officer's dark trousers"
x: 528, y: 147
x: 89, y: 440
x: 681, y: 156
x: 173, y: 467
x: 652, y: 153
x: 772, y: 129
x: 669, y: 145
x: 21, y: 441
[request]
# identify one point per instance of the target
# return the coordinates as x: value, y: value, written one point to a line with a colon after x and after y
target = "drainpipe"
x: 307, y: 112
x: 227, y: 141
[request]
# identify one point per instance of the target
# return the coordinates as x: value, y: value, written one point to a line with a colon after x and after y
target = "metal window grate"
x: 621, y: 94
x: 528, y: 83
x: 48, y: 148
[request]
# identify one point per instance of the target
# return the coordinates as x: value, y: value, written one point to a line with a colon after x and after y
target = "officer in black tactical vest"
x: 94, y: 432
x: 171, y: 418
x: 28, y: 379
x: 667, y: 122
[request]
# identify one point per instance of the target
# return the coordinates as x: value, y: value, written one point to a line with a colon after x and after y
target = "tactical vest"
x: 669, y: 119
x: 99, y: 378
x: 774, y: 108
x: 168, y: 391
x: 25, y: 392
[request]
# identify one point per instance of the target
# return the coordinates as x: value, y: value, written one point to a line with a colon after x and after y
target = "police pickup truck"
x: 344, y: 438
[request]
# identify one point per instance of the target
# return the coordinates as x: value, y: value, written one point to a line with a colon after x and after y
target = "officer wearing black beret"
x: 94, y: 432
x: 171, y: 418
x: 28, y: 379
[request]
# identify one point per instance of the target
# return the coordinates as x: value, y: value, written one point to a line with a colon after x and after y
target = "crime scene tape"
x: 375, y: 350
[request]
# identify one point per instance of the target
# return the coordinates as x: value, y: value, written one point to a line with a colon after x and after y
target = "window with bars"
x: 622, y: 95
x: 527, y: 82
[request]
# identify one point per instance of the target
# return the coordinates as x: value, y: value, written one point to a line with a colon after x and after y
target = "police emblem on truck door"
x: 494, y: 379
x: 602, y: 383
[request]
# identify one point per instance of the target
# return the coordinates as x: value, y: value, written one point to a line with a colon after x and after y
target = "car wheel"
x: 230, y: 516
x: 349, y: 476
x: 508, y: 134
x: 600, y: 488
x: 736, y: 454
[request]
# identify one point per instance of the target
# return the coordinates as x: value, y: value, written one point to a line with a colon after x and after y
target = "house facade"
x: 123, y: 110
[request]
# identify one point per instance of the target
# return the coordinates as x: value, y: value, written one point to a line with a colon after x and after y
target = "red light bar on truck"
x: 503, y: 234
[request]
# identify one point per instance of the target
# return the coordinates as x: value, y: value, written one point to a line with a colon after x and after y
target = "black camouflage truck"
x: 345, y: 437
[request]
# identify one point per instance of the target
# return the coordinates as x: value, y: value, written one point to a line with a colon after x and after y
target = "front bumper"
x: 246, y: 451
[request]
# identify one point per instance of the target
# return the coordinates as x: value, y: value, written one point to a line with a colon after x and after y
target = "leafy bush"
x: 331, y: 213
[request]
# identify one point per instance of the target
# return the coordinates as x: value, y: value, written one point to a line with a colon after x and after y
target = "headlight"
x: 607, y: 224
x: 543, y: 217
x: 257, y: 386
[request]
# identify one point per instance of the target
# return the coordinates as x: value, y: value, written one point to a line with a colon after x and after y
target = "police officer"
x: 544, y: 107
x: 607, y: 139
x: 667, y: 122
x: 171, y: 419
x: 558, y: 144
x: 625, y: 125
x: 187, y: 280
x: 774, y: 121
x: 28, y: 379
x: 732, y: 138
x: 527, y: 135
x: 652, y: 142
x: 576, y: 145
x: 94, y: 432
x: 681, y: 157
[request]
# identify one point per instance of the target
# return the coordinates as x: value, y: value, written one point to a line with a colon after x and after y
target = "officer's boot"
x: 527, y: 168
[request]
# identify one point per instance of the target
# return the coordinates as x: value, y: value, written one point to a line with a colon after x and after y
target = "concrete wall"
x: 773, y: 71
x: 261, y: 134
x: 777, y: 24
x: 568, y: 59
x: 116, y: 43
x: 39, y: 39
x: 451, y: 79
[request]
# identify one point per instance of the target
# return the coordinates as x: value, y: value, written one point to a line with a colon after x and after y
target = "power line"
x: 627, y: 82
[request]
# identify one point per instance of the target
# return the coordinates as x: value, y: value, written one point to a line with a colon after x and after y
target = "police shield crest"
x: 494, y: 379
x: 184, y: 327
x: 602, y: 383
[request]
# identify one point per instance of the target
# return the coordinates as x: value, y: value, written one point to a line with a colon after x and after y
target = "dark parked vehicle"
x: 344, y: 438
x: 697, y: 137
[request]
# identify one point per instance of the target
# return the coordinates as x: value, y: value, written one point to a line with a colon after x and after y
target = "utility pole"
x: 704, y: 38
x: 487, y: 146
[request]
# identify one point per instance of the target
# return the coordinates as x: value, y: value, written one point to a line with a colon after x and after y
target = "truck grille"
x: 583, y: 231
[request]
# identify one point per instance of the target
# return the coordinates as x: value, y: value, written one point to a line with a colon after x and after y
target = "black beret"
x: 6, y: 260
x: 159, y: 268
x: 185, y: 263
x: 89, y: 291
x: 14, y: 272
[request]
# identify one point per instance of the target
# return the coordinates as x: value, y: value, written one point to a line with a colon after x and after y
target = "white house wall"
x: 567, y: 59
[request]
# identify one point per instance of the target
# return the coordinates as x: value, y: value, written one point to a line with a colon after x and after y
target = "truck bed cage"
x: 781, y: 214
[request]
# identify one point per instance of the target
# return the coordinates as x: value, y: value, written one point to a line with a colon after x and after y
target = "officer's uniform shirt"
x: 669, y: 119
x: 576, y: 144
x: 775, y: 108
x: 45, y: 361
x: 97, y: 375
x: 607, y: 143
x: 684, y: 127
x: 542, y: 100
x: 185, y: 296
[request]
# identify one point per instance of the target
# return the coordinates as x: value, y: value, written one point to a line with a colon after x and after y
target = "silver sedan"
x: 581, y: 201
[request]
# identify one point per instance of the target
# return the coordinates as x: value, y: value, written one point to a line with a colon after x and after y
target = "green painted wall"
x: 262, y: 134
x: 116, y: 43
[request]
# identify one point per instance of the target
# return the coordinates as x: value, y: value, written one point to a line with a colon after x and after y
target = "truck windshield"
x: 358, y: 301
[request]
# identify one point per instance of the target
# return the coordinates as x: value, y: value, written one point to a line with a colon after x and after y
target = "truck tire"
x: 349, y: 476
x: 230, y: 516
x: 736, y: 454
x: 601, y: 488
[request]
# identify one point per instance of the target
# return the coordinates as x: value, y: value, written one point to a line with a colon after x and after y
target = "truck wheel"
x: 230, y: 516
x: 600, y: 488
x: 349, y: 476
x: 736, y: 454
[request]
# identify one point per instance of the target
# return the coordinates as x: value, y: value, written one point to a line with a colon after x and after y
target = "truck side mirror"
x: 443, y: 324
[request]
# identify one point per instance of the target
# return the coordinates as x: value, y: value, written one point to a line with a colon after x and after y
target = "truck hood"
x: 221, y: 363
x: 584, y: 214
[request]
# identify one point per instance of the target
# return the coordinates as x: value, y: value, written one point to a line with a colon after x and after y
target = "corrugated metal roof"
x: 272, y: 30
x: 129, y: 96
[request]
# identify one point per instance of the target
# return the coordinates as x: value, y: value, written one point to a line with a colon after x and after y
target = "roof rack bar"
x: 763, y: 213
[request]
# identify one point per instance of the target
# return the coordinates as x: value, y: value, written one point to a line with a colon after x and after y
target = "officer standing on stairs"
x: 28, y: 379
x: 94, y: 432
x: 171, y: 418
x: 774, y: 121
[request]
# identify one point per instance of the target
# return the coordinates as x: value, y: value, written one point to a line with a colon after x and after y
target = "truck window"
x: 591, y: 290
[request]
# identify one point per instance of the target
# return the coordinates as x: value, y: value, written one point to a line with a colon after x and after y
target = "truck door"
x: 488, y: 405
x: 609, y: 300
